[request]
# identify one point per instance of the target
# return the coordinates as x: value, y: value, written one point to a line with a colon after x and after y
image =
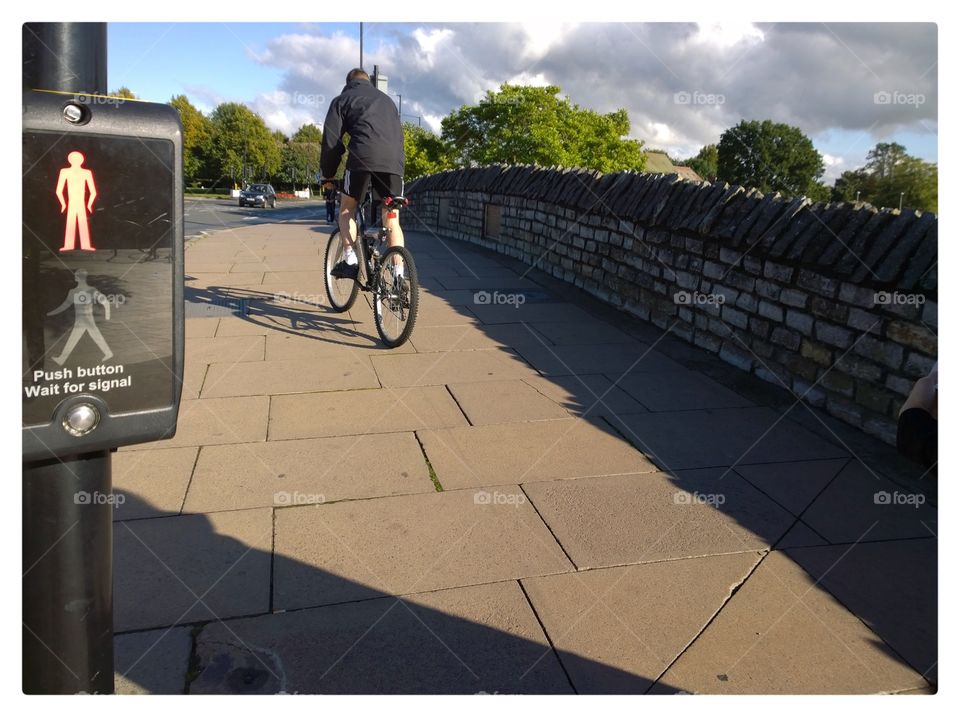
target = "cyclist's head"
x: 357, y: 73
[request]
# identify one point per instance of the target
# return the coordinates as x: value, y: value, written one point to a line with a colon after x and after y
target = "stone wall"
x: 838, y: 302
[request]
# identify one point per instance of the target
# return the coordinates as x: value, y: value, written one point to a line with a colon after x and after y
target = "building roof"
x: 659, y: 163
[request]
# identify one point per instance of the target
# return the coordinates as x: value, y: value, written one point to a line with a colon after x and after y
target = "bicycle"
x: 395, y: 298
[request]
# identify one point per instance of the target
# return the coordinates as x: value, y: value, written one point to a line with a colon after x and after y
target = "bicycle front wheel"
x: 341, y: 292
x: 396, y: 298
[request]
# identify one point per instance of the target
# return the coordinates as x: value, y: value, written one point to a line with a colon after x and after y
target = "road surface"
x: 208, y: 215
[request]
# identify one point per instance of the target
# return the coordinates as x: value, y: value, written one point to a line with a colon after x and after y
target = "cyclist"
x: 375, y: 160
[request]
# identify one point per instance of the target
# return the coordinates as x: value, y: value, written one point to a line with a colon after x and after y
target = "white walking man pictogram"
x: 76, y: 205
x: 83, y: 297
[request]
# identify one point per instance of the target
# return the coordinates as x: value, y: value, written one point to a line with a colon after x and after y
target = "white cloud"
x: 833, y: 167
x: 725, y: 35
x: 807, y: 75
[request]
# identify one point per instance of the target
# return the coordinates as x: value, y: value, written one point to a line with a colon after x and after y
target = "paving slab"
x: 349, y: 339
x: 781, y: 634
x: 458, y: 641
x: 312, y: 470
x: 226, y: 349
x: 205, y: 279
x: 619, y: 520
x: 283, y: 262
x: 234, y: 325
x: 152, y: 482
x: 486, y: 270
x: 861, y: 505
x: 207, y: 267
x: 636, y: 619
x: 164, y: 565
x: 722, y: 437
x: 200, y: 328
x: 450, y: 367
x: 891, y: 586
x: 194, y: 373
x: 154, y: 662
x: 541, y: 450
x: 408, y: 544
x: 469, y: 337
x: 476, y: 283
x: 612, y: 359
x: 461, y: 297
x: 334, y: 373
x: 679, y: 391
x: 587, y: 395
x: 583, y: 332
x: 793, y: 485
x: 800, y: 536
x: 487, y: 402
x: 440, y: 313
x: 345, y: 413
x: 210, y: 421
x: 530, y: 313
x: 308, y: 277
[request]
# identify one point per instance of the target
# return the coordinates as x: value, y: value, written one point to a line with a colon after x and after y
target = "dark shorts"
x: 356, y: 183
x: 917, y: 436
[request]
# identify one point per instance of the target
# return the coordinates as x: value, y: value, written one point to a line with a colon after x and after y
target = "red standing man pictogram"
x: 77, y: 180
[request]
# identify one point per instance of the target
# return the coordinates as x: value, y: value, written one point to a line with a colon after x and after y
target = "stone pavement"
x: 535, y: 494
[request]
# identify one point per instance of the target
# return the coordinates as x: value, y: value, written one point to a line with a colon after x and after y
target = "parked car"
x: 258, y: 195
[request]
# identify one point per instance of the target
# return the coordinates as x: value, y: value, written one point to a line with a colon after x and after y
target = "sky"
x: 846, y: 85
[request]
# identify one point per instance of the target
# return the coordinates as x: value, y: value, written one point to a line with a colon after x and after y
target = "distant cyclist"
x: 375, y: 160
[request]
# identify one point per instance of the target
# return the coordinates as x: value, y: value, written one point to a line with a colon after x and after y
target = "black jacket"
x: 376, y: 136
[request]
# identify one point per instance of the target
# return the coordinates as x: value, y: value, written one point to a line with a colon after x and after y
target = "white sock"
x: 350, y: 256
x: 398, y: 269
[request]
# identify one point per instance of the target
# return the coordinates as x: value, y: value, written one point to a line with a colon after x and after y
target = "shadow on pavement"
x: 483, y: 639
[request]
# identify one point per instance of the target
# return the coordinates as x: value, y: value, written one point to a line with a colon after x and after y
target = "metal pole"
x: 361, y: 45
x: 67, y: 511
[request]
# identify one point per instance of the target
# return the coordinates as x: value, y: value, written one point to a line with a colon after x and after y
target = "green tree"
x: 197, y: 139
x: 769, y: 156
x: 599, y: 141
x: 888, y: 173
x: 531, y: 125
x: 704, y: 163
x: 243, y: 147
x: 308, y: 133
x: 883, y: 159
x: 853, y: 185
x: 301, y: 160
x: 424, y: 152
x: 124, y: 92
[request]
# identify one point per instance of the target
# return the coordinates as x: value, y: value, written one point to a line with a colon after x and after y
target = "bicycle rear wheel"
x: 341, y: 292
x: 396, y: 298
